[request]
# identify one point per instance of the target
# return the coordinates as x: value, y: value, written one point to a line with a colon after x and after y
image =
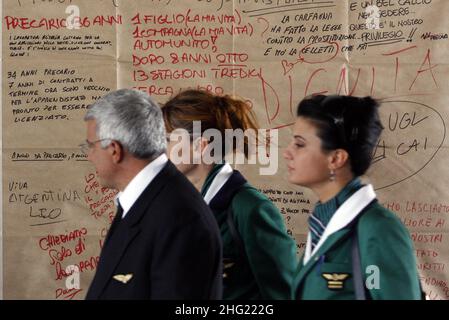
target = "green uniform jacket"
x: 383, y: 241
x: 271, y: 261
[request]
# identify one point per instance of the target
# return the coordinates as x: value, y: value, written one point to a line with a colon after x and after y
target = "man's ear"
x: 338, y: 158
x: 117, y: 151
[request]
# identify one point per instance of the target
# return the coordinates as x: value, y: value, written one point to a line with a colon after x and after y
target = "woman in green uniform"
x: 356, y: 249
x: 259, y: 257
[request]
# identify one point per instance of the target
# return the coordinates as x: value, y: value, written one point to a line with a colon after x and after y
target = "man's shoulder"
x: 177, y: 185
x: 178, y: 192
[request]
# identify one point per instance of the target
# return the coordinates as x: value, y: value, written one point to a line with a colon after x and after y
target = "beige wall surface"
x: 60, y: 56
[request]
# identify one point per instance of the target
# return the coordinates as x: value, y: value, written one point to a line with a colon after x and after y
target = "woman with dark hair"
x: 259, y: 257
x: 356, y: 249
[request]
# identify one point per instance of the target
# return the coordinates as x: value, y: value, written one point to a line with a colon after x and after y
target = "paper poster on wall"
x: 60, y: 56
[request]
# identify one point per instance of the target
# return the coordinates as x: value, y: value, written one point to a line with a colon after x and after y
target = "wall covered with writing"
x: 60, y: 56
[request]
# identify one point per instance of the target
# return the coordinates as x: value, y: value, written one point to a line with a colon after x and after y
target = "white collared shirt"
x: 220, y: 179
x: 138, y: 184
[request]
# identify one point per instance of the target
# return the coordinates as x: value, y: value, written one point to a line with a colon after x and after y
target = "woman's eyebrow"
x: 299, y: 137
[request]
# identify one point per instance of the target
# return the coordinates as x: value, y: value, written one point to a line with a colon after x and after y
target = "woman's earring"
x: 332, y: 175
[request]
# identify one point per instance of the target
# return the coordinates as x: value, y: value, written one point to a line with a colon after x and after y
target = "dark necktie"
x: 119, y: 213
x: 116, y: 221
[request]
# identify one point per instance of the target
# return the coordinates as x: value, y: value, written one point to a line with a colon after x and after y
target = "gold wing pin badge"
x: 335, y: 281
x: 123, y: 278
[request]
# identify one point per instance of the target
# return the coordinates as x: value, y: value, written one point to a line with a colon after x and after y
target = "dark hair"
x: 214, y: 112
x: 345, y: 122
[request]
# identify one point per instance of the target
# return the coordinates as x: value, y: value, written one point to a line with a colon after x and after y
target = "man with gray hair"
x: 164, y: 242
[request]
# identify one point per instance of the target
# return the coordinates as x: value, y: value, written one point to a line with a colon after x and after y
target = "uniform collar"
x: 325, y: 211
x: 215, y: 180
x: 347, y: 212
x: 226, y: 189
x: 138, y: 184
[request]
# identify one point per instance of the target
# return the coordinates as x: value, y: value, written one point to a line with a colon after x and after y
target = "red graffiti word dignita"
x: 425, y: 72
x: 426, y: 67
